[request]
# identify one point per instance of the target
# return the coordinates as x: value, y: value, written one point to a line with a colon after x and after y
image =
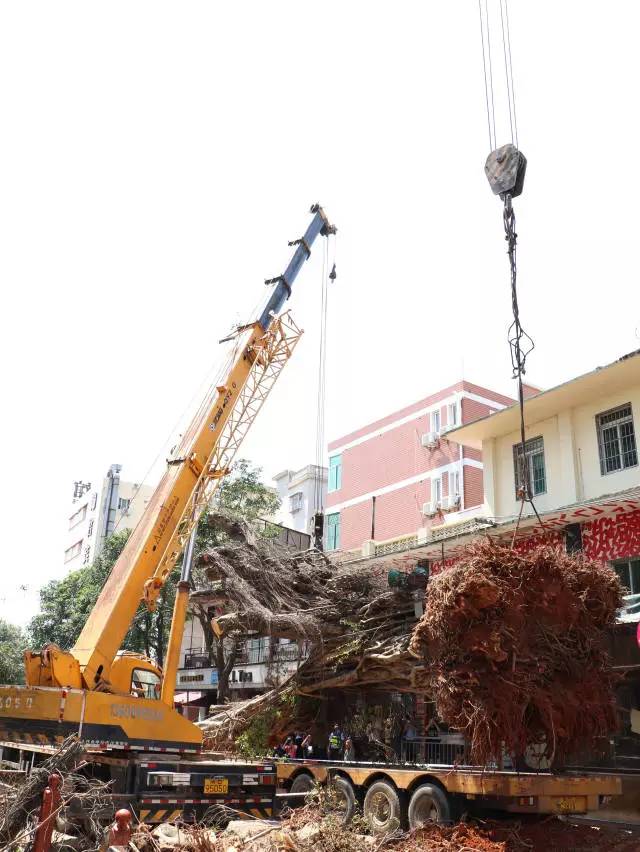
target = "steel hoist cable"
x: 505, y: 169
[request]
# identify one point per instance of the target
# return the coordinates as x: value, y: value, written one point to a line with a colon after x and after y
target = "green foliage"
x: 244, y: 493
x: 65, y: 606
x: 254, y: 742
x: 12, y: 644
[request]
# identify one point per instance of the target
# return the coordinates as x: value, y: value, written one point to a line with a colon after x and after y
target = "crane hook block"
x: 505, y: 169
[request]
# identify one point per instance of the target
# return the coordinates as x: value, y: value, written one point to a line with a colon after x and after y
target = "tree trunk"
x: 224, y: 664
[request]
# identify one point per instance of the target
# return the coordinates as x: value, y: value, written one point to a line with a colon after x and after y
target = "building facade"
x: 98, y: 510
x: 402, y: 473
x: 260, y: 664
x: 581, y: 462
x: 302, y: 493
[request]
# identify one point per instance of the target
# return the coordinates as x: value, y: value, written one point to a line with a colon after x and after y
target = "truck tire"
x: 346, y: 799
x: 429, y: 804
x: 303, y: 783
x: 382, y: 808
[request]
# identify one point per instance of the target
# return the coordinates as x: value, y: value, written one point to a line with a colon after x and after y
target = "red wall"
x: 386, y: 459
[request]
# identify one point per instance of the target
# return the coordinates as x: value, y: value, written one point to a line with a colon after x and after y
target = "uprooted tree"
x: 509, y: 648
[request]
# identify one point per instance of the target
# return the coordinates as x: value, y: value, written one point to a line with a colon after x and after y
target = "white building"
x: 303, y: 493
x: 260, y: 664
x: 97, y: 511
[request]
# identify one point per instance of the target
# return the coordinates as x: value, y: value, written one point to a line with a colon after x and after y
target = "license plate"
x: 216, y: 785
x: 571, y: 804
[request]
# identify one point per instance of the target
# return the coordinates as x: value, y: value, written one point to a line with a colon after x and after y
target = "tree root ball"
x: 513, y: 646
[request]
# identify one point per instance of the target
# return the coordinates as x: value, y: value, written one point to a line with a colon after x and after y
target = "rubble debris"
x: 512, y: 644
x: 84, y: 802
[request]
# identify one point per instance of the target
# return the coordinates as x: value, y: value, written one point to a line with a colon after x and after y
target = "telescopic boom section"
x: 191, y: 477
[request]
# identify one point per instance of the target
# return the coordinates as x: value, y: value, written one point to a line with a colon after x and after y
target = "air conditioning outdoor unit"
x: 429, y: 440
x: 428, y: 508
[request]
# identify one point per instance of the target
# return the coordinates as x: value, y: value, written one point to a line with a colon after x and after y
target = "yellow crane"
x: 116, y: 699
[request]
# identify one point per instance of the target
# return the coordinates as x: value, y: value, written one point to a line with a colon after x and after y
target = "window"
x: 78, y: 517
x: 191, y: 678
x: 333, y: 531
x: 71, y: 552
x: 533, y: 458
x: 123, y: 504
x: 629, y: 572
x: 436, y: 491
x: 435, y: 421
x: 452, y: 414
x: 94, y: 500
x: 296, y: 501
x: 616, y: 439
x: 145, y: 684
x: 454, y: 483
x: 90, y: 530
x: 335, y: 473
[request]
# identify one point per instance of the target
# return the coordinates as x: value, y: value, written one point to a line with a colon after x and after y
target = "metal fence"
x: 283, y: 535
x: 432, y: 750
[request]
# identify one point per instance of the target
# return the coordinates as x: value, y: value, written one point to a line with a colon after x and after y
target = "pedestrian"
x: 290, y: 747
x: 349, y: 750
x: 307, y: 746
x: 299, y: 750
x: 336, y: 743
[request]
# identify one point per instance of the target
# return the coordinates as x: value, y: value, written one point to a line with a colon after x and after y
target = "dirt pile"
x: 512, y: 644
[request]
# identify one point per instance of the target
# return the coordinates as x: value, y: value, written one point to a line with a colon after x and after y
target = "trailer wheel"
x: 303, y: 783
x: 346, y: 799
x: 428, y: 804
x: 382, y: 808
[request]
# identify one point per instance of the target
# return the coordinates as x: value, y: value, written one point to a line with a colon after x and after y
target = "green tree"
x: 12, y: 644
x: 65, y: 606
x: 244, y: 495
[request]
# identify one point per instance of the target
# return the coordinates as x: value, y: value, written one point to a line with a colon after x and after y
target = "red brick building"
x: 395, y: 476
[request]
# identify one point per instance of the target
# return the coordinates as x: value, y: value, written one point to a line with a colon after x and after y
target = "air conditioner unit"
x: 429, y: 508
x: 429, y: 440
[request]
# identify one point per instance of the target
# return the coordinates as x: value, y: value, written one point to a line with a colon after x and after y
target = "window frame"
x: 437, y: 485
x: 528, y: 454
x: 333, y: 541
x: 616, y: 423
x: 296, y: 502
x: 146, y: 685
x: 436, y: 421
x: 452, y: 414
x: 334, y: 480
x: 616, y: 564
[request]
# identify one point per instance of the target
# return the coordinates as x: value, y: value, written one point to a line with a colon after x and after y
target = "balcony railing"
x: 195, y: 658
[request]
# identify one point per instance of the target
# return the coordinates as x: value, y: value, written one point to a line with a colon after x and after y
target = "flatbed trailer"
x: 166, y: 787
x: 396, y: 794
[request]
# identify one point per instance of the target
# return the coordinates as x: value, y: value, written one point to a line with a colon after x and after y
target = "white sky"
x: 156, y: 157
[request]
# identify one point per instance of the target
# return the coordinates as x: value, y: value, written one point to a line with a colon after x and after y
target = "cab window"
x: 145, y: 684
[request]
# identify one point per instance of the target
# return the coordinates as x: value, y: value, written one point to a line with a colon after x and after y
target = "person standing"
x: 336, y: 743
x: 349, y: 750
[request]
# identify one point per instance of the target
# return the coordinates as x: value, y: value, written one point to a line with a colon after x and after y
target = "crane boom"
x: 202, y: 459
